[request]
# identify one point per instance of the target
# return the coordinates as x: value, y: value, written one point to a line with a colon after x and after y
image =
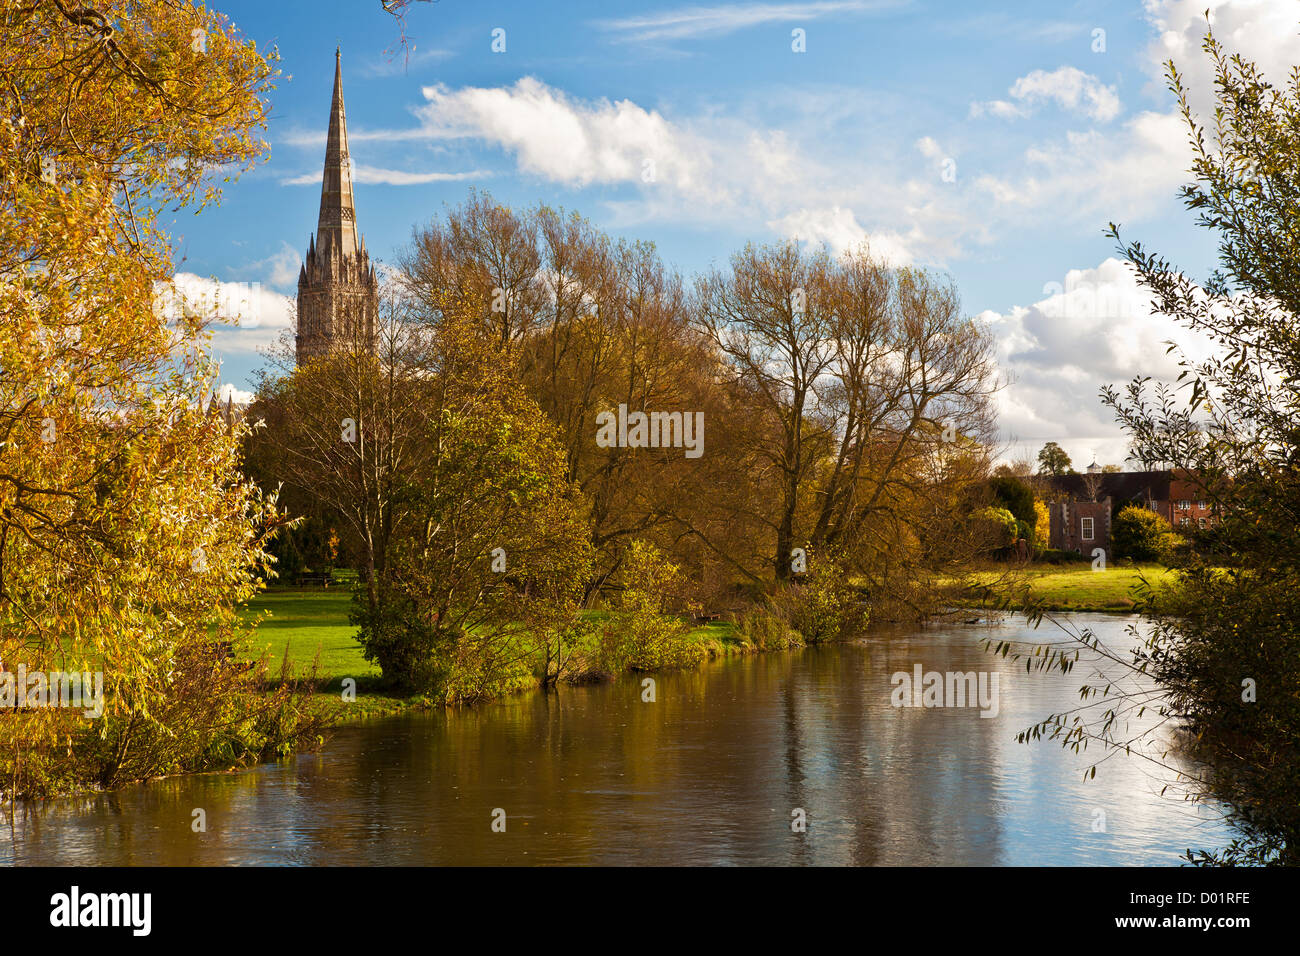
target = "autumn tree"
x: 592, y: 324
x: 492, y: 548
x: 345, y: 431
x: 128, y: 537
x: 869, y: 384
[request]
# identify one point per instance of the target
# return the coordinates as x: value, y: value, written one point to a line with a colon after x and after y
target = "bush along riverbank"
x: 314, y: 633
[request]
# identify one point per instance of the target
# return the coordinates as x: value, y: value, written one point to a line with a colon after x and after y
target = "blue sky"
x: 991, y: 141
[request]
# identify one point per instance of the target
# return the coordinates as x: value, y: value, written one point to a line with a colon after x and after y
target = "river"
x: 718, y: 769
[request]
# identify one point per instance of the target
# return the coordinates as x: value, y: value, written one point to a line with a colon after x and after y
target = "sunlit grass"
x: 1077, y: 587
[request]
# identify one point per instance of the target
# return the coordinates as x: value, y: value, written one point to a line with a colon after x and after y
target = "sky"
x: 993, y: 142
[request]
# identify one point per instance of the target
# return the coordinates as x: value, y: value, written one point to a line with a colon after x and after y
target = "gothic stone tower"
x: 338, y: 295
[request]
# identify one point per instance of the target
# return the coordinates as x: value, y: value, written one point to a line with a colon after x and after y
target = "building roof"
x: 1119, y: 485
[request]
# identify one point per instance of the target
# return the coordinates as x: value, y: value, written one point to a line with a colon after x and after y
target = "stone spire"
x: 338, y: 291
x: 337, y: 225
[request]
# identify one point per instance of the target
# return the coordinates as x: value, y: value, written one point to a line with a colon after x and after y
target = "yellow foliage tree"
x: 1042, y: 524
x: 127, y: 537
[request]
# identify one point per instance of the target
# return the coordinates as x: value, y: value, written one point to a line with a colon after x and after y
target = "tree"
x: 1018, y: 468
x: 1015, y: 496
x: 1052, y: 460
x: 1223, y: 646
x: 997, y: 528
x: 1042, y: 524
x: 345, y: 430
x: 128, y: 538
x: 856, y: 373
x: 591, y: 324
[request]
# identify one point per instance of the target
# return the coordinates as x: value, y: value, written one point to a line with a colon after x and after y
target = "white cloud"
x: 692, y: 22
x: 1098, y: 176
x: 245, y: 316
x: 928, y: 147
x: 839, y: 229
x: 227, y: 391
x: 1069, y: 88
x: 999, y: 108
x: 282, y: 267
x: 1266, y: 32
x: 566, y: 140
x: 803, y: 178
x: 1096, y: 328
x: 1132, y: 170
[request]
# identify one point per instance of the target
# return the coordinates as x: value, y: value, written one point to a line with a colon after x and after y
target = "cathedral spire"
x: 338, y: 291
x: 336, y: 230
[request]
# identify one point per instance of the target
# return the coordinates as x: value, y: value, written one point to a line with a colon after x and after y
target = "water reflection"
x: 708, y: 774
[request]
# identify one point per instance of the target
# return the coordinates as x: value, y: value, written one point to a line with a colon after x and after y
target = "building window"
x: 1200, y: 504
x: 1184, y: 504
x: 1085, y: 529
x: 1201, y: 522
x: 1153, y: 505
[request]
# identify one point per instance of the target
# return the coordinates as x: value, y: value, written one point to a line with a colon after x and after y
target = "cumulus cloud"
x: 1068, y: 87
x: 566, y: 140
x: 838, y: 228
x: 1099, y: 176
x: 245, y: 317
x: 1095, y: 328
x: 1263, y: 31
x: 697, y: 168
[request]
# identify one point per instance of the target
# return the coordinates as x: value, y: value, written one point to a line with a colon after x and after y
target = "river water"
x: 714, y: 771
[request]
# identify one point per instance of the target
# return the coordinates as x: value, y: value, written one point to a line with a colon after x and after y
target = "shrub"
x: 412, y: 654
x: 1057, y: 556
x: 641, y: 633
x: 767, y: 629
x: 1140, y: 534
x: 996, y: 527
x: 822, y: 607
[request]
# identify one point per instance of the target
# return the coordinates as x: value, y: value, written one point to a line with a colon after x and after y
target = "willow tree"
x: 126, y: 532
x: 1221, y: 662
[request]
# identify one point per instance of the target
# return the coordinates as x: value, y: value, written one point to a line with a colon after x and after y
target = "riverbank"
x: 310, y: 629
x: 1073, y: 587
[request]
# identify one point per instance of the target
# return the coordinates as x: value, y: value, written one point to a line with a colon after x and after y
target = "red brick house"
x: 1081, y: 526
x: 1082, y: 506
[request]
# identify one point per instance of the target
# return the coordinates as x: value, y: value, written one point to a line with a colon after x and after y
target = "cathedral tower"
x: 338, y: 294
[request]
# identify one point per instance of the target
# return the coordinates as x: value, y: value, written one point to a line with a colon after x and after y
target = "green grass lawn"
x: 307, y: 622
x: 1077, y: 587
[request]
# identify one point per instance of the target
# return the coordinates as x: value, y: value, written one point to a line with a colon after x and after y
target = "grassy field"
x: 1077, y: 587
x: 308, y: 622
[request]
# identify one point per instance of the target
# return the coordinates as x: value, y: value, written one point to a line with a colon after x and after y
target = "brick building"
x: 1081, y: 526
x: 1081, y: 506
